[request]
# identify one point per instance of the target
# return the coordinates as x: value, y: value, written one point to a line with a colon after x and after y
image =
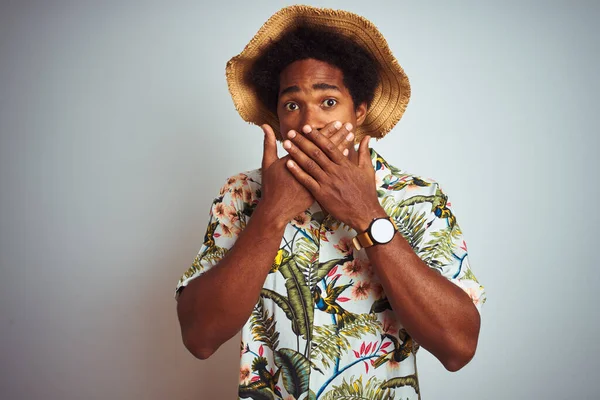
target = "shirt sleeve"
x: 227, y: 218
x: 444, y: 248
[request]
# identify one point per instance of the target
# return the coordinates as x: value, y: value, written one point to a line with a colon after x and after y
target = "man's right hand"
x: 281, y: 192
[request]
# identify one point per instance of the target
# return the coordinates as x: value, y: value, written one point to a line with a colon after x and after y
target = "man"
x: 304, y: 255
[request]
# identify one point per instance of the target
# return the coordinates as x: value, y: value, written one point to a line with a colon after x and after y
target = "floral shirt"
x: 323, y: 327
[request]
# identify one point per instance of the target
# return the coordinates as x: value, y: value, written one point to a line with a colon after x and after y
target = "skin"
x: 209, y: 312
x: 434, y: 311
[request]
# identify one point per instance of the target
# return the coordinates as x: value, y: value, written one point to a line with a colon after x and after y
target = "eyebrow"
x: 325, y: 86
x: 317, y: 86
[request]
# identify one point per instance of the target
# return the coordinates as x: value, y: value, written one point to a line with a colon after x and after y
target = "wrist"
x: 362, y: 222
x: 269, y: 216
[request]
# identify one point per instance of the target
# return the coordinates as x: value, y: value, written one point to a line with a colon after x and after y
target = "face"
x: 312, y: 92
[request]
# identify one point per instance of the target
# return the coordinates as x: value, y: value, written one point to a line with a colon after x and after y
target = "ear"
x: 361, y: 113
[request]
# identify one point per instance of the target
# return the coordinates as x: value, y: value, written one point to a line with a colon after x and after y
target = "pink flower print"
x: 361, y: 290
x: 474, y: 294
x: 390, y: 325
x: 219, y: 210
x: 229, y: 230
x: 245, y: 373
x: 248, y: 196
x: 379, y: 179
x: 237, y: 193
x: 301, y: 220
x: 352, y: 268
x: 231, y: 213
x: 344, y: 246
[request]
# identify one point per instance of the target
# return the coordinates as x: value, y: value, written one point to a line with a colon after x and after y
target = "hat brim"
x: 392, y: 94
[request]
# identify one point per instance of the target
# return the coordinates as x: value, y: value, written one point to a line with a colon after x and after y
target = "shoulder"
x: 249, y: 180
x: 239, y: 194
x: 402, y: 185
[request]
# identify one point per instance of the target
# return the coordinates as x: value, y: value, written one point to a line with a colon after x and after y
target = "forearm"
x: 435, y: 312
x: 213, y: 307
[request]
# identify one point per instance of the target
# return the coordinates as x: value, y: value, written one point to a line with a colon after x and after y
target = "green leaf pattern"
x: 322, y: 318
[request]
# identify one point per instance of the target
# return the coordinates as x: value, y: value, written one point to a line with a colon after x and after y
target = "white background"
x: 117, y: 130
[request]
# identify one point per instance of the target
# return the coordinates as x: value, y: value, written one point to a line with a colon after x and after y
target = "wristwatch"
x: 380, y: 231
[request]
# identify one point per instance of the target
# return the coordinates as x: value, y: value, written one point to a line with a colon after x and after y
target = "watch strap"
x: 362, y: 240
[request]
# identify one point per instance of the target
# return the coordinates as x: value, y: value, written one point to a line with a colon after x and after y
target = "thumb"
x: 270, y: 147
x: 364, y: 155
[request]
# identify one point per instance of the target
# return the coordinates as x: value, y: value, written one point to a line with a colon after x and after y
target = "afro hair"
x: 358, y: 67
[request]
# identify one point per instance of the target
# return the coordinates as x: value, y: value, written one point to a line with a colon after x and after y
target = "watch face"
x: 382, y: 230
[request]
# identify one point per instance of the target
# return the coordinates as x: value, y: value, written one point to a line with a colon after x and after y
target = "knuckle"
x: 330, y: 147
x: 301, y: 140
x: 316, y: 153
x: 310, y: 166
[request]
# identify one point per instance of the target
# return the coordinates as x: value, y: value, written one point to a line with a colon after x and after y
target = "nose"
x: 314, y: 117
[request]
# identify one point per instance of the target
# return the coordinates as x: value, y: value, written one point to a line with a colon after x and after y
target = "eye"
x: 290, y: 106
x: 329, y: 103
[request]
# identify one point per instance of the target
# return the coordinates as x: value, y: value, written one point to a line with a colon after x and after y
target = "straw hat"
x: 392, y: 92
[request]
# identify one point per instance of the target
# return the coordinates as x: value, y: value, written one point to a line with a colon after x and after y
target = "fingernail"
x: 291, y: 134
x: 345, y: 152
x: 290, y: 163
x: 348, y: 126
x: 306, y: 129
x: 287, y: 144
x: 337, y: 124
x: 350, y: 136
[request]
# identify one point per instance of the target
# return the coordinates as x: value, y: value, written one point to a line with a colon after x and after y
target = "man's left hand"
x: 345, y: 189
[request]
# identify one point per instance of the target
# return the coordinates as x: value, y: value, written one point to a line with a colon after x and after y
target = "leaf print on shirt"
x: 325, y: 269
x: 410, y: 380
x: 264, y: 385
x: 411, y: 224
x: 354, y: 389
x: 263, y: 326
x: 330, y: 342
x: 296, y: 371
x: 298, y: 304
x: 323, y: 316
x: 439, y: 250
x: 299, y: 296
